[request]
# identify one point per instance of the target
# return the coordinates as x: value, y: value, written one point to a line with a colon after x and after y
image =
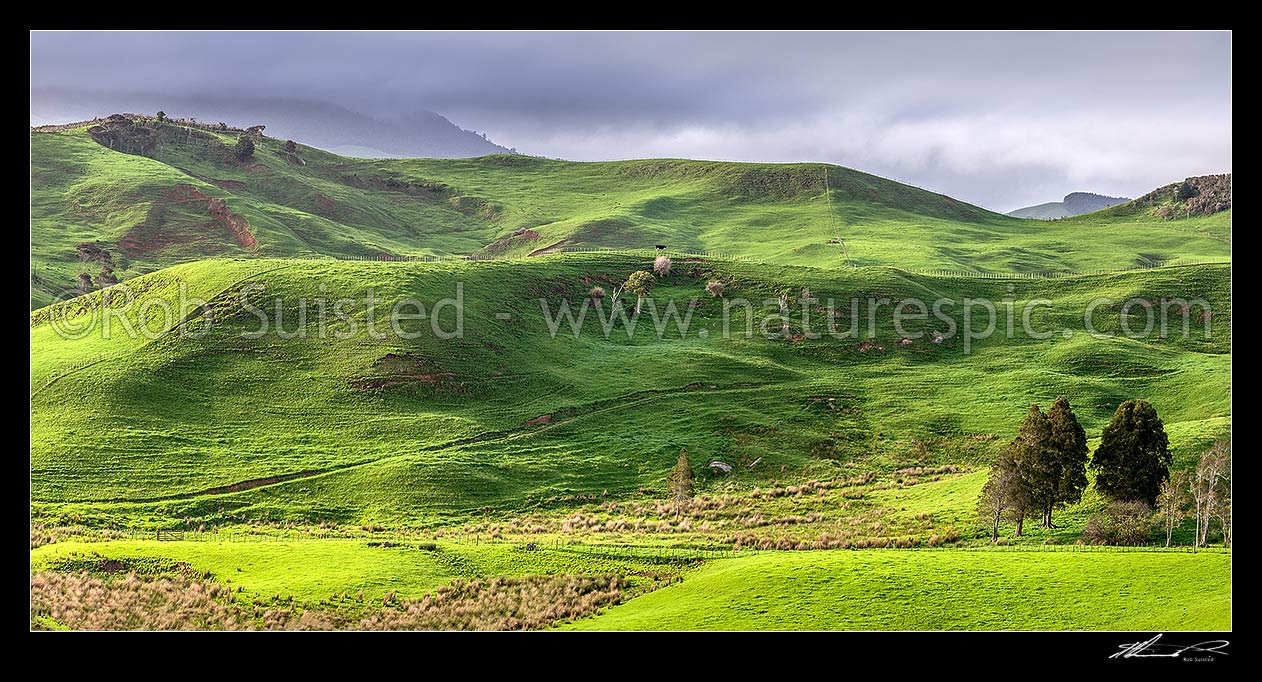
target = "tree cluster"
x: 1203, y: 494
x: 1042, y: 469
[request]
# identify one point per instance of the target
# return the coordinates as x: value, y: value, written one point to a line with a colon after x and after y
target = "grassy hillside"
x: 429, y: 431
x: 932, y: 590
x: 153, y: 208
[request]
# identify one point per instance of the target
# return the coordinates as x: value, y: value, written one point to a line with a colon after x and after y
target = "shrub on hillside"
x: 1127, y: 524
x: 244, y: 148
x: 661, y: 266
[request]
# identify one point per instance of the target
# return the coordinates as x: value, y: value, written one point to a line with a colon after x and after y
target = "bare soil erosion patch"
x: 157, y: 232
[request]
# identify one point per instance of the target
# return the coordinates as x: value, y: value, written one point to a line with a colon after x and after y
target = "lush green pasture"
x: 427, y: 430
x: 940, y: 590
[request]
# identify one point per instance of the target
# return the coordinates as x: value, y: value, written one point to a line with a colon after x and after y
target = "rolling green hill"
x: 926, y: 590
x: 430, y: 431
x: 386, y: 462
x: 153, y: 196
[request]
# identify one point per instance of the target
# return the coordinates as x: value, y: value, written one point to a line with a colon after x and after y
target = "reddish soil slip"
x: 151, y: 235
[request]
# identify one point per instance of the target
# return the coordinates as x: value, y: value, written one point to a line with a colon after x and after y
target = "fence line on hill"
x: 426, y: 541
x: 396, y: 539
x: 67, y: 371
x: 932, y: 272
x: 1058, y: 274
x: 654, y: 252
x: 392, y: 258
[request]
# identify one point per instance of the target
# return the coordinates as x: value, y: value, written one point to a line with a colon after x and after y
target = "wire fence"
x: 71, y: 369
x: 649, y: 253
x: 717, y: 255
x: 429, y: 541
x: 650, y: 553
x: 660, y: 252
x: 1058, y: 274
x: 1071, y: 547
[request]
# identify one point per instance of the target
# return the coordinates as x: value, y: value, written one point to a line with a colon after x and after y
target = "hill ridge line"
x: 107, y: 358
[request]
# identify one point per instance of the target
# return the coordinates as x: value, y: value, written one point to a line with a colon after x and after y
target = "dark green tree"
x: 1133, y: 457
x: 244, y: 148
x: 680, y: 482
x: 162, y: 117
x: 1035, y: 463
x: 1068, y: 475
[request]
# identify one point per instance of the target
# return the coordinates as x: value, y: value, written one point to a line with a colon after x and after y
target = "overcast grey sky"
x: 999, y: 119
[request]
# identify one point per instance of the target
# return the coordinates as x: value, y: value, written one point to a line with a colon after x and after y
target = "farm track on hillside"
x: 530, y: 427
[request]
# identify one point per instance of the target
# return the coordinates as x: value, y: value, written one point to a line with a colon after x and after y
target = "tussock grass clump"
x: 502, y: 604
x: 47, y: 534
x: 81, y: 601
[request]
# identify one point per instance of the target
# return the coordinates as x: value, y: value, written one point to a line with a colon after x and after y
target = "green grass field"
x: 940, y: 590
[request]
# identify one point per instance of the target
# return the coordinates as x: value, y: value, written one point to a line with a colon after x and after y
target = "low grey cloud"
x: 998, y: 119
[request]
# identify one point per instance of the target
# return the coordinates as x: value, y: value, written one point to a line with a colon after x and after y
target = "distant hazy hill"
x: 422, y: 134
x: 1075, y: 203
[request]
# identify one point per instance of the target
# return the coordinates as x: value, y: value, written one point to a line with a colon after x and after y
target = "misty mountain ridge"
x: 419, y: 134
x: 1074, y: 203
